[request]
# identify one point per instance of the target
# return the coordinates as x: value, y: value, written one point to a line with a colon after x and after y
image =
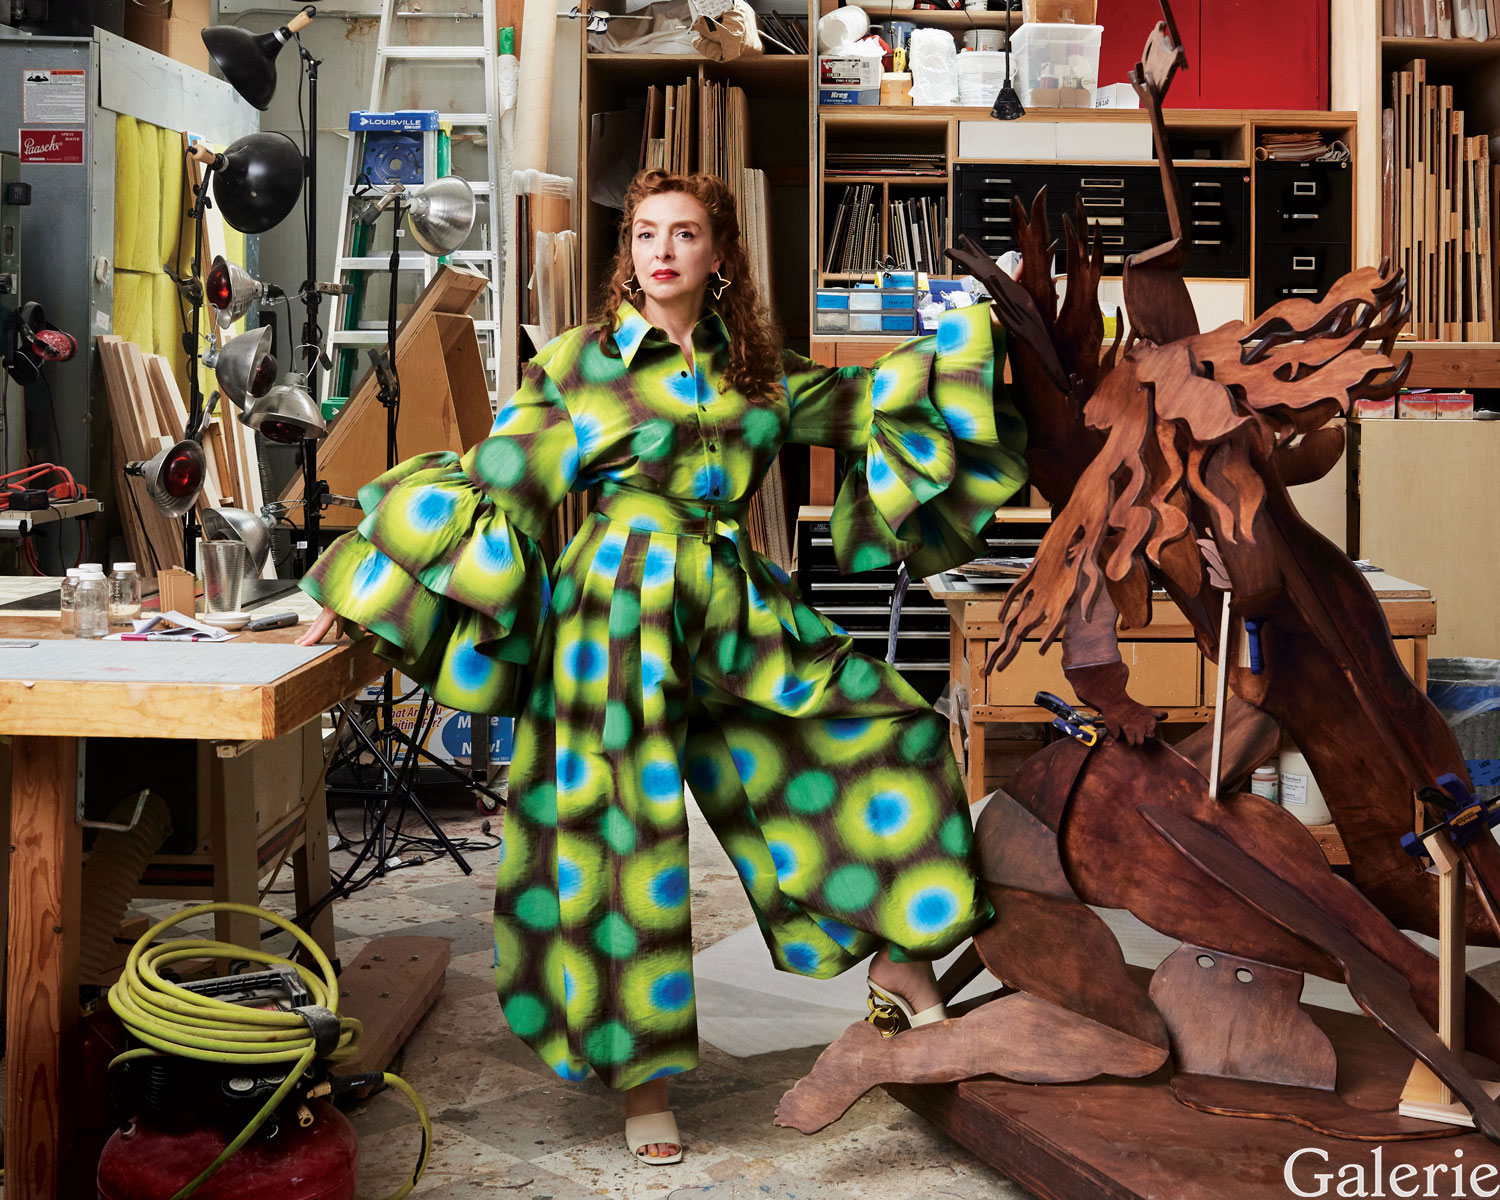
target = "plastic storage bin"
x: 1057, y: 66
x: 981, y: 74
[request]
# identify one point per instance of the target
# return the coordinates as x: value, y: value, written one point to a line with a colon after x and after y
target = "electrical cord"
x: 174, y: 1021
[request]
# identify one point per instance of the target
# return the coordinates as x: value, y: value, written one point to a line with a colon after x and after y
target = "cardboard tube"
x: 534, y: 85
x: 302, y: 20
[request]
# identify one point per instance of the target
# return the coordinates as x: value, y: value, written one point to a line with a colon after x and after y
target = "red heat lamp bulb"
x: 281, y: 431
x: 216, y: 287
x: 262, y: 376
x: 183, y: 476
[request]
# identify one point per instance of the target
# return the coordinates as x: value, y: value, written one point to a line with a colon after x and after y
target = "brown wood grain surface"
x: 46, y: 895
x: 1018, y: 1036
x: 1133, y: 1140
x: 217, y: 712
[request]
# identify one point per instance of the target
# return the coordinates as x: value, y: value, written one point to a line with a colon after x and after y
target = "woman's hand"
x: 327, y: 619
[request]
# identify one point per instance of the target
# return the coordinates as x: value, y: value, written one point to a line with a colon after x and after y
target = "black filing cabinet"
x: 1124, y: 204
x: 1304, y: 229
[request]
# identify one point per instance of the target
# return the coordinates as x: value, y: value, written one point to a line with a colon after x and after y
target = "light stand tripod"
x: 388, y: 384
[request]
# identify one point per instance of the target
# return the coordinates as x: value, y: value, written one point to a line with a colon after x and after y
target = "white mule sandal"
x: 658, y: 1128
x: 890, y: 1014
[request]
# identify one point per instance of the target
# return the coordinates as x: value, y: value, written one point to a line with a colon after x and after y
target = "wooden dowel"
x: 1221, y: 693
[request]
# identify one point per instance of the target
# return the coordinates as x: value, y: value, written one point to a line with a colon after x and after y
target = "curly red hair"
x: 754, y: 342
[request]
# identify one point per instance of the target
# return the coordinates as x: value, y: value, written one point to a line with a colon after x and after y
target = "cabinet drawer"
x: 1304, y: 272
x: 1165, y: 674
x: 1304, y: 202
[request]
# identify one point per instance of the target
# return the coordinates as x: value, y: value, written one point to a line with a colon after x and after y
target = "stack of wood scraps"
x: 1437, y: 199
x: 149, y: 415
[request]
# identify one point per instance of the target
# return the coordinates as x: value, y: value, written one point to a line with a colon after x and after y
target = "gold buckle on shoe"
x: 886, y: 1017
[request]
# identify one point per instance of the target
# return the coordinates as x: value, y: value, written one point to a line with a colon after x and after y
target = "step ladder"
x: 364, y: 250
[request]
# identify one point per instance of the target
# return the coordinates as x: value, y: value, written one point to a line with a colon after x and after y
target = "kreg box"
x: 857, y: 72
x: 849, y: 95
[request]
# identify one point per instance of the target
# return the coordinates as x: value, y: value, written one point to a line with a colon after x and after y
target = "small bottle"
x: 1264, y: 781
x: 65, y: 608
x: 124, y: 594
x: 91, y: 605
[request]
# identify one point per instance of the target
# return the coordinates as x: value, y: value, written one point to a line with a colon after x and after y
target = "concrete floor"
x: 507, y: 1126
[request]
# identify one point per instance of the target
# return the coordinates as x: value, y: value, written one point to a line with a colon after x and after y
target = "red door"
x: 1256, y: 55
x: 1127, y: 24
x: 1241, y: 53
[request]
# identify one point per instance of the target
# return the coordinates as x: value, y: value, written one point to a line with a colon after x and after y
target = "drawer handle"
x: 1106, y: 221
x: 994, y: 199
x: 1208, y: 222
x: 1304, y: 262
x: 1208, y: 204
x: 1100, y: 182
x: 1206, y: 242
x: 1113, y: 240
x: 1114, y: 258
x: 1301, y: 216
x: 1304, y: 187
x: 1206, y: 183
x: 1104, y: 201
x: 995, y: 220
x: 1301, y: 291
x: 992, y: 179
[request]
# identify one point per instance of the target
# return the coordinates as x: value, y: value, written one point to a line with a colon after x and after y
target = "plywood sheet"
x: 1422, y: 517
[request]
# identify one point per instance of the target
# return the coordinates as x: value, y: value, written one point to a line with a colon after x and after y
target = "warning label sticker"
x: 55, y: 97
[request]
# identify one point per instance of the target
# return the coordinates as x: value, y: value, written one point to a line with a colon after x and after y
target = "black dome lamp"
x: 248, y: 60
x: 257, y: 181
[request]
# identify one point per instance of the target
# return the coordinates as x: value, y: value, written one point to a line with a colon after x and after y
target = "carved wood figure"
x: 1167, y: 461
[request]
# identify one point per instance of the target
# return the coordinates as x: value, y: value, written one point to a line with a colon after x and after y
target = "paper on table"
x: 211, y: 633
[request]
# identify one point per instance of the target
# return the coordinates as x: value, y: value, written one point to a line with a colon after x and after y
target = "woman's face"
x: 672, y: 248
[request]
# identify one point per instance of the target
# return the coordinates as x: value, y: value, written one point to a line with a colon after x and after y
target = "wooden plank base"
x: 1130, y: 1139
x: 388, y: 989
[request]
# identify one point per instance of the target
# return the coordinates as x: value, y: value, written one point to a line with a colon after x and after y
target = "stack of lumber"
x: 1438, y: 191
x: 148, y: 414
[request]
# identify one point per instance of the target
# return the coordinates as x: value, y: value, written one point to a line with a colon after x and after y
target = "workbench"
x: 1167, y: 670
x: 46, y: 720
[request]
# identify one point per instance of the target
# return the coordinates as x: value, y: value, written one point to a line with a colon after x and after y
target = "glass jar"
x: 66, y: 594
x: 124, y: 594
x: 91, y: 605
x: 1264, y: 781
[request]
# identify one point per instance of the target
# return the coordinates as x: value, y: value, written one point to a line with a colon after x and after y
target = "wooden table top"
x: 1408, y: 607
x: 208, y: 711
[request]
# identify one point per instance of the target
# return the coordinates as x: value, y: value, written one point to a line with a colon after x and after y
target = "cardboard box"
x: 849, y: 96
x: 1164, y: 674
x: 1417, y: 406
x: 1061, y: 12
x: 1375, y: 410
x: 175, y: 30
x: 856, y: 71
x: 1453, y: 406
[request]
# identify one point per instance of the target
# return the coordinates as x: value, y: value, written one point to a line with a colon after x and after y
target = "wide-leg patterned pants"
x: 827, y: 779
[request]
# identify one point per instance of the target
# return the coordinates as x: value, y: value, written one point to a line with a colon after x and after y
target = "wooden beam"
x: 46, y: 901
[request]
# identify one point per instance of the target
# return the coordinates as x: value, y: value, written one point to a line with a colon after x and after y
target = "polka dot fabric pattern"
x: 662, y: 654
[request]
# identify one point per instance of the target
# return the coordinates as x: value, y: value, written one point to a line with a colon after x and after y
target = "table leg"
x: 236, y: 862
x: 41, y: 1027
x: 310, y: 872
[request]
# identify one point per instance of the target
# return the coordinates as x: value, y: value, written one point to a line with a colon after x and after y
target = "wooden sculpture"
x: 1167, y: 461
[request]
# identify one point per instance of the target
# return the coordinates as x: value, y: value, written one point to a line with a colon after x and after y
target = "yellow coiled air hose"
x: 172, y: 1020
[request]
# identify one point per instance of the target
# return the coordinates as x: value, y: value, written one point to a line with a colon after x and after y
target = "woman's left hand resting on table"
x: 326, y: 620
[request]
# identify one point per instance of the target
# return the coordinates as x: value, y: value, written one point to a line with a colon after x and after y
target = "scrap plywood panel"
x: 1418, y: 483
x: 445, y: 402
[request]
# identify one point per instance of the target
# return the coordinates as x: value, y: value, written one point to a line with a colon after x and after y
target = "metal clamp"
x: 112, y: 826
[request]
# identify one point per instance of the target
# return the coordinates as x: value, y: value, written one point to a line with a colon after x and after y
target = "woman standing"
x: 662, y: 648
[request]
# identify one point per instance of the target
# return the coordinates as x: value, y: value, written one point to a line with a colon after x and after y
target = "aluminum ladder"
x: 363, y: 251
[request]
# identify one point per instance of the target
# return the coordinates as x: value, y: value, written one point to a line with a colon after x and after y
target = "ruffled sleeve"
x: 932, y: 445
x: 445, y: 569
